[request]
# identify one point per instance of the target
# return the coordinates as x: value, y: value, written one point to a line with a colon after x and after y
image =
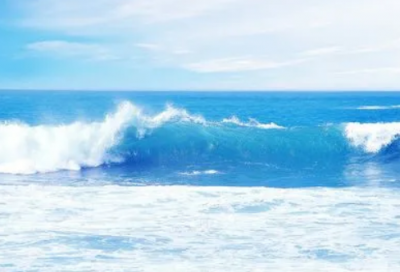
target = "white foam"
x: 372, y: 137
x: 28, y: 149
x: 379, y: 107
x: 251, y: 123
x: 198, y: 173
x: 170, y: 114
x: 193, y: 229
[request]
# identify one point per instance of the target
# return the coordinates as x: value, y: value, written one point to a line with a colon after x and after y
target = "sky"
x: 200, y: 44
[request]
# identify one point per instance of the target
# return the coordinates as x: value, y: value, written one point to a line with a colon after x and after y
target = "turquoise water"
x: 150, y: 181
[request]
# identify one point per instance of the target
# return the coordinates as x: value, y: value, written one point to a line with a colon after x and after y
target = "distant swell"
x: 174, y: 136
x: 390, y: 107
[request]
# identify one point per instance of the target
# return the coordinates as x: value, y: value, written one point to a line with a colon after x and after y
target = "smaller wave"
x: 251, y: 123
x: 390, y: 107
x: 198, y: 173
x: 372, y: 137
x: 145, y: 123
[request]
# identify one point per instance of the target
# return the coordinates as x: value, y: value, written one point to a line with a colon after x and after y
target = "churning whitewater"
x: 130, y: 135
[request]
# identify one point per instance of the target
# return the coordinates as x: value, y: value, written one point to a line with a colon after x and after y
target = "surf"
x: 130, y: 135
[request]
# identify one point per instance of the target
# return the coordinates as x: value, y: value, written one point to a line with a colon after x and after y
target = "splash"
x: 31, y: 149
x: 372, y: 137
x: 37, y: 149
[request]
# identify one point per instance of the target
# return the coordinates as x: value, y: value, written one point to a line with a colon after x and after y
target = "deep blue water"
x: 273, y: 139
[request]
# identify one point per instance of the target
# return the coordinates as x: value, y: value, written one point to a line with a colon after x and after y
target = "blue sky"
x: 199, y: 45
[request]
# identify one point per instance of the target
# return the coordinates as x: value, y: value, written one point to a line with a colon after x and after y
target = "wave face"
x: 129, y: 136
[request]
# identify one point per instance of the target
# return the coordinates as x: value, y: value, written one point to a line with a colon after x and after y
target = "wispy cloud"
x: 237, y: 65
x: 57, y: 48
x: 113, y: 13
x: 380, y: 46
x: 322, y: 51
x: 149, y: 46
x: 378, y: 70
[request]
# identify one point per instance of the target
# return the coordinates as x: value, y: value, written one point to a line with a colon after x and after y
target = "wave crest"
x: 31, y: 149
x: 38, y: 149
x: 251, y: 123
x: 127, y: 136
x: 372, y: 137
x: 390, y: 107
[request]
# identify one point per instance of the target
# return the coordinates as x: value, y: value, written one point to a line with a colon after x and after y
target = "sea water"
x: 199, y: 181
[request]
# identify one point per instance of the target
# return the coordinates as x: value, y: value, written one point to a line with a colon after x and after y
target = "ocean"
x: 199, y: 181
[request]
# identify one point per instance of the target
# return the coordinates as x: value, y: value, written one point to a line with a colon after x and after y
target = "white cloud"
x: 322, y: 51
x: 381, y: 46
x: 113, y: 13
x: 379, y: 70
x: 320, y: 42
x: 149, y: 46
x: 237, y: 65
x: 59, y: 48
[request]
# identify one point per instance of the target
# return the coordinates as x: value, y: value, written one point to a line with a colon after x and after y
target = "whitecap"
x: 251, y: 123
x: 372, y: 137
x: 198, y: 173
x: 379, y: 107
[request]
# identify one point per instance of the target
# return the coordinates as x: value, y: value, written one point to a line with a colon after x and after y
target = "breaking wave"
x: 30, y: 149
x: 174, y: 136
x: 372, y: 137
x: 251, y: 123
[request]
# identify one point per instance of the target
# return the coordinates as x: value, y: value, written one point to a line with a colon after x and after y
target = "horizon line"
x: 197, y: 90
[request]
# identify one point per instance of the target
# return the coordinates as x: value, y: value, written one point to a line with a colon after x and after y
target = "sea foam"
x: 372, y: 137
x: 30, y: 149
x: 251, y: 123
x: 390, y: 107
x: 195, y: 229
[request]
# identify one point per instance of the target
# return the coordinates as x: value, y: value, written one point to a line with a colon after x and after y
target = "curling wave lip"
x: 39, y: 149
x: 176, y: 136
